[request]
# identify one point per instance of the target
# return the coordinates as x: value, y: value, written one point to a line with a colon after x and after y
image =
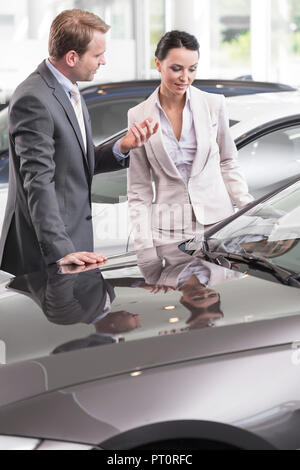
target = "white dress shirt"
x: 197, y: 269
x: 183, y: 151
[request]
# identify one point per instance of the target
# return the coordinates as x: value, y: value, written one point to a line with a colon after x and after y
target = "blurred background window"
x: 249, y: 38
x: 230, y: 38
x: 157, y: 26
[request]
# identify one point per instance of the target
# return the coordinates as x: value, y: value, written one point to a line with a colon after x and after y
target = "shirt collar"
x: 187, y: 101
x: 60, y: 77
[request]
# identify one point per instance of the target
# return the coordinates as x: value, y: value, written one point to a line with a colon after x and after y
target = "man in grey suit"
x: 52, y: 156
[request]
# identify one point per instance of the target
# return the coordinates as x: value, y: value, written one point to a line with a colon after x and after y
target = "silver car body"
x: 234, y: 381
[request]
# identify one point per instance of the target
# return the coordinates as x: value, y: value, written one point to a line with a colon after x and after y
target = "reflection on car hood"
x: 53, y: 321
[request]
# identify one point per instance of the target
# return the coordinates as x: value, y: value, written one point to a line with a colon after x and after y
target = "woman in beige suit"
x: 187, y: 175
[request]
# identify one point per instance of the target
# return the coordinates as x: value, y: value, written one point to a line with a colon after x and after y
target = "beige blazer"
x: 216, y: 177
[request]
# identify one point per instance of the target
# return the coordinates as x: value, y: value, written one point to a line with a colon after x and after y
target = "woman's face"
x: 178, y: 70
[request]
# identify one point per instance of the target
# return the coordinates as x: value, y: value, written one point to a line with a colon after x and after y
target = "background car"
x: 113, y: 100
x: 213, y: 367
x: 265, y: 126
x: 266, y: 129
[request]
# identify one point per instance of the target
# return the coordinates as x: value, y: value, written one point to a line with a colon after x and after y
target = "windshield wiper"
x: 226, y: 260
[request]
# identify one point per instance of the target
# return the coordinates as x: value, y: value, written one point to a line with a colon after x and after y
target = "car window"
x: 4, y: 167
x: 109, y: 117
x: 3, y: 130
x: 271, y: 230
x: 110, y: 187
x: 271, y: 160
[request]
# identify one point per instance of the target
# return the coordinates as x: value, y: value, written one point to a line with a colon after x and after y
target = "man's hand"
x: 138, y: 135
x: 75, y: 269
x: 82, y: 258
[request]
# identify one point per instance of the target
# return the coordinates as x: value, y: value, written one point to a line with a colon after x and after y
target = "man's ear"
x: 71, y: 58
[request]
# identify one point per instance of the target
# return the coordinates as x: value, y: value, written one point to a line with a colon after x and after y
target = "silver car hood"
x: 43, y: 356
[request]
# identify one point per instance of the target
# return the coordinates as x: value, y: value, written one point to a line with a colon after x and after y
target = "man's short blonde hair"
x: 73, y: 30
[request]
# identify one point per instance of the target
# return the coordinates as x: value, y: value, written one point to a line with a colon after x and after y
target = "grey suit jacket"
x: 48, y: 213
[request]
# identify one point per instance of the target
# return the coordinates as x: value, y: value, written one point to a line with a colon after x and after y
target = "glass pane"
x: 110, y: 187
x: 157, y: 26
x: 4, y: 167
x: 270, y: 230
x: 271, y: 160
x: 285, y: 41
x: 230, y: 38
x: 3, y: 130
x: 110, y: 117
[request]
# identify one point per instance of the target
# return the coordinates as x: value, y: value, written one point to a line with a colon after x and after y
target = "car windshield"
x: 270, y: 230
x: 3, y: 130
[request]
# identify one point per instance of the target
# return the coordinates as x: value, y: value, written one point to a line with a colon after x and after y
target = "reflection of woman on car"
x: 192, y: 157
x: 169, y: 268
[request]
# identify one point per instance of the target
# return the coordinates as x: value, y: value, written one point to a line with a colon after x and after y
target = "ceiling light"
x: 248, y: 318
x: 174, y: 320
x: 136, y: 373
x: 169, y: 307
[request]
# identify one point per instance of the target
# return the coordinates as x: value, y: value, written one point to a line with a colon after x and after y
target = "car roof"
x: 145, y: 87
x: 254, y: 110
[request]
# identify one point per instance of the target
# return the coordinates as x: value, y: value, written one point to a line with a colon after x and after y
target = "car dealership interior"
x: 237, y: 37
x: 150, y: 227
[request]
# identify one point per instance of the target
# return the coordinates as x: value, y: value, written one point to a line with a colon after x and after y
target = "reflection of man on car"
x: 74, y: 297
x: 107, y: 330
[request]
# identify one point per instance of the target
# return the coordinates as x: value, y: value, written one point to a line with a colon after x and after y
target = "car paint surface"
x: 243, y: 372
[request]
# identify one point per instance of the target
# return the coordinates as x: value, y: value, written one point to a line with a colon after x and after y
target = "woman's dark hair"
x: 174, y: 40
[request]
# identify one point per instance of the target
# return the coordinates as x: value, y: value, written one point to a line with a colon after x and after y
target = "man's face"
x: 123, y: 321
x: 88, y: 64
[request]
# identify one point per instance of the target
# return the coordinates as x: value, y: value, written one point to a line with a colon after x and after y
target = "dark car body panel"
x: 146, y: 87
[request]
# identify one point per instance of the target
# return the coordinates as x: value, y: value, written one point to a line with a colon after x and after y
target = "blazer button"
x: 89, y: 217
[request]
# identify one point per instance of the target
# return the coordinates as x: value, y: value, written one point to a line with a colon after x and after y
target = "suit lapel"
x: 65, y: 102
x: 156, y: 142
x: 202, y: 124
x: 90, y: 153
